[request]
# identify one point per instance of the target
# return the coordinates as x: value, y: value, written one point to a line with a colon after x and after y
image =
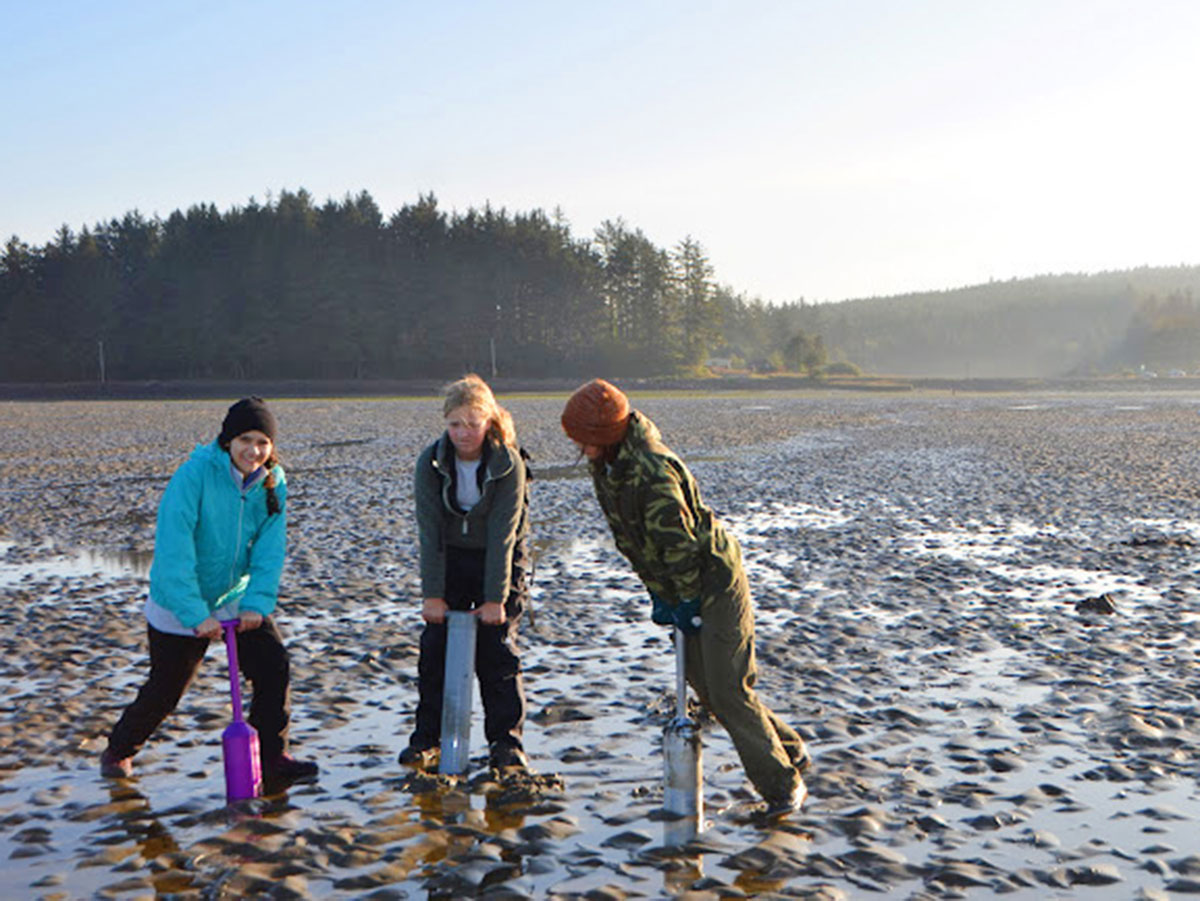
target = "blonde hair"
x: 472, y: 391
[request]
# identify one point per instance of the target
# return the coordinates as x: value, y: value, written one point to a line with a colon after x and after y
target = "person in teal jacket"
x: 219, y: 545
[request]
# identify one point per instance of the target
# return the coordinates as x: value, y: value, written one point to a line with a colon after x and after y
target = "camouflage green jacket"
x: 653, y: 506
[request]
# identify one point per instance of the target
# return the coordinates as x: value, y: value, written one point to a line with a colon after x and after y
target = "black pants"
x: 174, y: 660
x: 497, y: 659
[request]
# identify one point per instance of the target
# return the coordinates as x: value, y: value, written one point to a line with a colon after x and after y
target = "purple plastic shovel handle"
x: 243, y: 768
x: 235, y: 687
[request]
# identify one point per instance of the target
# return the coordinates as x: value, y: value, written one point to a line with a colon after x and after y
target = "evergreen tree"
x: 700, y: 314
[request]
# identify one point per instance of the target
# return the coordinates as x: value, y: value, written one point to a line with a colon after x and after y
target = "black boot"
x: 504, y: 755
x: 421, y: 758
x: 286, y: 770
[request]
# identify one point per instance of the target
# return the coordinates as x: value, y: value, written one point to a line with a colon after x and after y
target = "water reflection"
x: 501, y: 815
x: 682, y: 874
x: 678, y: 831
x: 132, y: 818
x: 122, y: 562
x: 19, y: 563
x: 463, y: 849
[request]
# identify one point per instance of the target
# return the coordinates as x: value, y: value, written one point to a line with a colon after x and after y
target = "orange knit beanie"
x: 597, y: 413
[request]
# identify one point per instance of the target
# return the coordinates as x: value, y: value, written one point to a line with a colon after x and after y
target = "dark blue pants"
x: 174, y: 659
x: 497, y: 659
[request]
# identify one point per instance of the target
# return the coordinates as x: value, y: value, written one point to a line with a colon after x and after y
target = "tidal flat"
x: 920, y: 565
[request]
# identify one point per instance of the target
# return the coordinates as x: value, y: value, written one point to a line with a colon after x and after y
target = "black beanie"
x: 248, y: 413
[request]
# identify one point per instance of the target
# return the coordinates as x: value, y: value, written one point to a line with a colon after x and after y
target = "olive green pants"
x: 721, y: 669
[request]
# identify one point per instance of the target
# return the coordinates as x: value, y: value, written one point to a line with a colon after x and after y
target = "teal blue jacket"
x: 215, y: 543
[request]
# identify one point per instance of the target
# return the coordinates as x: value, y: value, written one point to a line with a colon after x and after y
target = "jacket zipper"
x: 482, y: 491
x: 447, y: 482
x: 237, y: 540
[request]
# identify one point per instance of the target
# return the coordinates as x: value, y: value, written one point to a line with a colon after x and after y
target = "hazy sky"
x: 822, y: 150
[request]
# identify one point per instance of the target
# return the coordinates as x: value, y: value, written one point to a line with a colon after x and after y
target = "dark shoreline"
x: 296, y: 388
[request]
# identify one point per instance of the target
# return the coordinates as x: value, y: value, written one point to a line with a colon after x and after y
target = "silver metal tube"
x: 682, y: 762
x: 680, y: 675
x: 457, y: 691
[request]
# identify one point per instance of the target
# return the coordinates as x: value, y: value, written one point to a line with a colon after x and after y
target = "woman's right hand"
x: 434, y: 610
x: 209, y: 629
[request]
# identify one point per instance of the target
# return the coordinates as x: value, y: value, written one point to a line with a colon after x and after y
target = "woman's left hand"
x: 491, y: 614
x: 248, y: 620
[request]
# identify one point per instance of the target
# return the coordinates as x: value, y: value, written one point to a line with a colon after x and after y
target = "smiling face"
x: 467, y: 427
x: 250, y: 450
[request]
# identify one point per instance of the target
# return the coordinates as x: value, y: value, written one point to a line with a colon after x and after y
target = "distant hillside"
x: 1046, y: 326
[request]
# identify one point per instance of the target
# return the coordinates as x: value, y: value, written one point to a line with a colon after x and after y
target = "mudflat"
x: 980, y: 610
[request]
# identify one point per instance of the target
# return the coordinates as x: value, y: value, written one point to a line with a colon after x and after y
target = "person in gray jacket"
x: 471, y: 497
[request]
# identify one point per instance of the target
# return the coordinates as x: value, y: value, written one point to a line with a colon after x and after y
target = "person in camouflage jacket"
x: 692, y: 568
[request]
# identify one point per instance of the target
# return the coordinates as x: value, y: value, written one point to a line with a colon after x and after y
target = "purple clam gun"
x: 239, y: 741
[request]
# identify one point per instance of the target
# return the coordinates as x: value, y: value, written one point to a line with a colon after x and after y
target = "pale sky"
x: 823, y: 150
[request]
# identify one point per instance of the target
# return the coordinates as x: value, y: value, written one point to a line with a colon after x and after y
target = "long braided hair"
x: 269, y: 482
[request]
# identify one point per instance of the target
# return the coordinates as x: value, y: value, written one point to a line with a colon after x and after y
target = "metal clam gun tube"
x: 682, y: 764
x: 456, y: 693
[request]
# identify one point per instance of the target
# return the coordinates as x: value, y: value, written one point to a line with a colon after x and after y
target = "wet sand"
x: 918, y: 563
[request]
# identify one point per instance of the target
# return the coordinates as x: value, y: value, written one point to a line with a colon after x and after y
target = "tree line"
x: 291, y: 289
x: 1163, y: 334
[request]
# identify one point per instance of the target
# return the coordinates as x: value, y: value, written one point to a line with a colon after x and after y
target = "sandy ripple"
x: 925, y: 569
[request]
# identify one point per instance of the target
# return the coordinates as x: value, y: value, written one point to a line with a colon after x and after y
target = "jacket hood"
x: 642, y: 438
x: 212, y: 453
x: 642, y: 431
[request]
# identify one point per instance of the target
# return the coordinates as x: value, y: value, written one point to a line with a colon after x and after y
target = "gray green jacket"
x: 653, y: 506
x: 496, y: 523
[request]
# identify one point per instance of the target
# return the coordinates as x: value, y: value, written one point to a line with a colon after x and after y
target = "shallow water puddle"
x: 762, y: 519
x: 1170, y: 528
x: 42, y: 563
x: 1031, y: 581
x: 985, y: 679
